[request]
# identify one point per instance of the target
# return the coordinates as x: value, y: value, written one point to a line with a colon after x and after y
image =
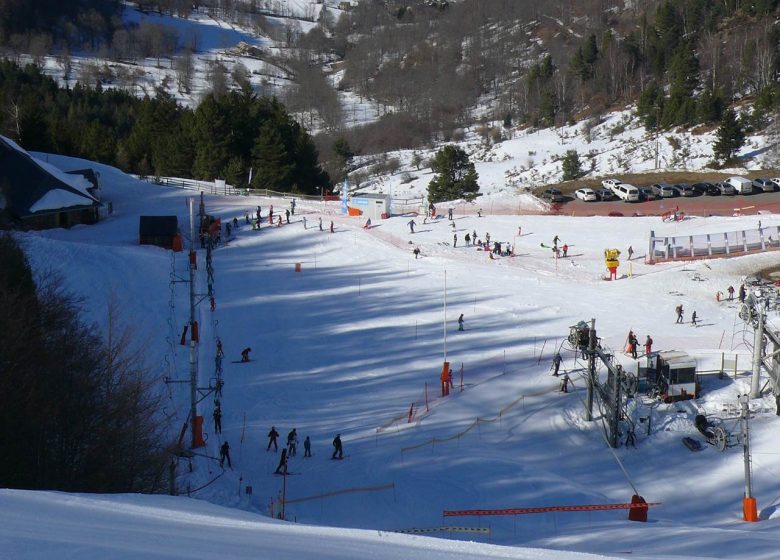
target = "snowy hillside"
x: 358, y: 336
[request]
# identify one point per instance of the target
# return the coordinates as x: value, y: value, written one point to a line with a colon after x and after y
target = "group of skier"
x: 291, y: 450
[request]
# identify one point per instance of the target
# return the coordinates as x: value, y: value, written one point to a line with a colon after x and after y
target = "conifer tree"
x: 730, y: 137
x: 455, y: 176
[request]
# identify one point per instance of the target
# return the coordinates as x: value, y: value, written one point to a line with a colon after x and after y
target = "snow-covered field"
x: 347, y: 344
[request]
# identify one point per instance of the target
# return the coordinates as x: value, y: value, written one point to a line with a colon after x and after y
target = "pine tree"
x: 730, y: 136
x: 455, y: 176
x: 571, y: 166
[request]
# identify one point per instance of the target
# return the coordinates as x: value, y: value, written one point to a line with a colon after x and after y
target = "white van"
x: 741, y: 185
x: 626, y: 192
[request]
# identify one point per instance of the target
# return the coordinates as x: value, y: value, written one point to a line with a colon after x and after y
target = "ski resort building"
x: 36, y: 195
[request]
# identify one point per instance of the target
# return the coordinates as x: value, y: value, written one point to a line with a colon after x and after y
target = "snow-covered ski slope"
x: 349, y: 343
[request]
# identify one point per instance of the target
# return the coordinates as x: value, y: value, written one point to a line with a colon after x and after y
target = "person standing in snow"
x: 564, y: 384
x: 730, y: 290
x: 454, y: 239
x: 633, y: 342
x: 648, y: 345
x: 679, y: 311
x: 460, y: 322
x: 271, y: 215
x: 565, y: 249
x: 487, y: 238
x: 693, y: 318
x: 292, y: 443
x: 287, y: 215
x: 292, y: 207
x: 320, y: 223
x: 307, y: 447
x: 742, y: 293
x: 272, y: 435
x: 474, y: 236
x: 555, y: 240
x: 630, y: 252
x: 468, y: 239
x: 416, y: 252
x: 556, y: 363
x: 224, y: 453
x: 449, y: 213
x: 304, y: 223
x: 338, y: 449
x: 332, y: 230
x: 411, y: 225
x: 282, y: 467
x: 245, y: 354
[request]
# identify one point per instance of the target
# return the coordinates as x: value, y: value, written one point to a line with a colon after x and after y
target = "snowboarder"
x: 693, y: 318
x: 331, y: 227
x: 564, y: 384
x: 679, y: 311
x: 307, y: 447
x: 304, y: 223
x: 224, y: 454
x: 449, y: 213
x: 468, y: 239
x: 368, y: 224
x: 245, y: 354
x: 565, y: 249
x: 287, y: 215
x: 454, y: 239
x: 730, y: 290
x: 272, y: 435
x: 411, y: 225
x: 460, y: 322
x: 282, y: 468
x: 648, y: 345
x: 416, y: 252
x: 217, y: 419
x: 630, y: 252
x: 556, y: 363
x: 320, y: 223
x: 337, y: 447
x: 742, y: 294
x: 292, y: 443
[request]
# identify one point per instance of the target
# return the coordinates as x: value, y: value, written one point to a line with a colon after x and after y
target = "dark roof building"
x: 37, y: 195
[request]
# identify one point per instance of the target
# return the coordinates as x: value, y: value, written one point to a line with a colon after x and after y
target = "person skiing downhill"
x: 338, y: 449
x: 282, y: 468
x: 411, y: 225
x: 272, y: 435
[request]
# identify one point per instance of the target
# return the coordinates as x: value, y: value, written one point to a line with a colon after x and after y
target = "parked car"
x: 763, y: 184
x: 685, y: 189
x: 668, y: 191
x: 776, y: 181
x: 626, y: 192
x: 647, y: 193
x: 553, y: 195
x: 740, y: 184
x: 585, y: 194
x: 610, y: 183
x: 712, y: 190
x: 726, y: 189
x: 701, y: 188
x: 605, y: 194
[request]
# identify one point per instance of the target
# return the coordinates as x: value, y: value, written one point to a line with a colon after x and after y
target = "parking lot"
x: 701, y: 205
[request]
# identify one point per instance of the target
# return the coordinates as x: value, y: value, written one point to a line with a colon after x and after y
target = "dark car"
x: 647, y: 193
x: 605, y: 194
x: 701, y: 188
x: 553, y: 195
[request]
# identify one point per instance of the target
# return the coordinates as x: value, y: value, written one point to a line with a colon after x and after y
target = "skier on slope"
x: 460, y: 322
x: 411, y: 225
x: 224, y: 453
x: 338, y: 449
x: 320, y: 223
x: 454, y: 239
x: 292, y: 443
x: 272, y: 435
x: 556, y: 363
x: 307, y: 447
x: 282, y: 468
x: 468, y: 239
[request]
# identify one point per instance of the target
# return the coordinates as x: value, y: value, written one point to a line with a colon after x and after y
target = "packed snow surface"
x: 358, y: 336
